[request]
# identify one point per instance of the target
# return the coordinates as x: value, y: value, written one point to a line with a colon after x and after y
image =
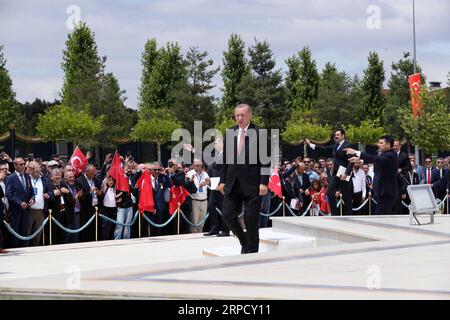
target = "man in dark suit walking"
x: 19, y: 193
x: 385, y: 173
x: 340, y: 159
x: 243, y: 179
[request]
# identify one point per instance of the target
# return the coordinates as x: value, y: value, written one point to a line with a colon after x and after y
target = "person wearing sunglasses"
x: 19, y: 193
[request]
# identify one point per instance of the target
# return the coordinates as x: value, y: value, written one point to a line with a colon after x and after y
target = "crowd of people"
x: 31, y: 188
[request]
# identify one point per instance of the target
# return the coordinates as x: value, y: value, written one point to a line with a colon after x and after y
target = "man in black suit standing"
x: 332, y: 188
x: 218, y: 226
x: 243, y: 178
x: 404, y: 166
x: 385, y: 173
x: 19, y: 193
x: 340, y: 159
x: 90, y: 198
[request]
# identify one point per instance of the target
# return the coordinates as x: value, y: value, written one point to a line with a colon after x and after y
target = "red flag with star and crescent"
x: 116, y: 171
x: 78, y: 161
x: 275, y: 183
x: 414, y: 88
x: 178, y: 194
x: 144, y: 184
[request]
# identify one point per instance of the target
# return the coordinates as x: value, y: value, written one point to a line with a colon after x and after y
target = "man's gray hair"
x: 244, y: 105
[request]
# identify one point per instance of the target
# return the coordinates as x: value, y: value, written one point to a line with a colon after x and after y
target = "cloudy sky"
x: 34, y: 34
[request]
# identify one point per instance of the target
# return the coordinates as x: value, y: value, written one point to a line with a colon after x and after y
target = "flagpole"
x: 416, y: 147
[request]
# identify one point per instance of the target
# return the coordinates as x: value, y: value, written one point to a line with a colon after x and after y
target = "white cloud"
x: 336, y: 31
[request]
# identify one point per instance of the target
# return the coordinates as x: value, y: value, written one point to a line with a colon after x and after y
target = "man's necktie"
x: 241, y: 141
x: 22, y: 179
x: 429, y: 176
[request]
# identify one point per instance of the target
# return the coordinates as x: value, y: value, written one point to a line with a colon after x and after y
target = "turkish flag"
x: 275, y: 184
x: 177, y: 195
x: 146, y: 202
x: 116, y: 171
x: 78, y: 161
x: 414, y: 88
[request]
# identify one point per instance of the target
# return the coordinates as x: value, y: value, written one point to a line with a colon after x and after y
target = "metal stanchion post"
x: 50, y: 227
x: 340, y: 203
x: 178, y: 219
x: 370, y: 203
x: 96, y: 223
x: 43, y: 236
x: 139, y: 223
x: 447, y: 199
x: 284, y: 208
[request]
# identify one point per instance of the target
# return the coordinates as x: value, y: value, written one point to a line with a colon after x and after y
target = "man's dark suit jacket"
x: 403, y: 162
x: 16, y: 194
x: 81, y: 183
x: 340, y: 156
x: 439, y: 184
x: 304, y: 185
x: 163, y: 183
x: 385, y: 173
x: 247, y: 174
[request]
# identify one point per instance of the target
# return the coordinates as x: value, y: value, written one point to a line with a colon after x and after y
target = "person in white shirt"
x: 200, y: 198
x: 359, y: 185
x: 109, y: 208
x: 41, y: 195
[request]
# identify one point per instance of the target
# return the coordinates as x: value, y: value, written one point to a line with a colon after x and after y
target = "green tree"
x: 235, y: 68
x: 157, y: 128
x: 162, y: 71
x: 431, y: 129
x: 117, y: 120
x: 193, y: 100
x: 372, y: 88
x: 297, y: 131
x: 337, y: 103
x: 9, y: 114
x: 399, y: 95
x: 263, y: 89
x: 62, y: 123
x: 302, y: 81
x: 367, y: 132
x: 31, y: 112
x: 83, y: 70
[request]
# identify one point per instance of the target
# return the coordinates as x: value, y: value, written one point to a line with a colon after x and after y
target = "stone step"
x: 324, y: 235
x: 270, y: 240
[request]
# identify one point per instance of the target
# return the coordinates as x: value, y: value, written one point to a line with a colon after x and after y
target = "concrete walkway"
x: 355, y: 258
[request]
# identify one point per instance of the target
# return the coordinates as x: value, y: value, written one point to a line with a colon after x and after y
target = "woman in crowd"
x: 108, y: 208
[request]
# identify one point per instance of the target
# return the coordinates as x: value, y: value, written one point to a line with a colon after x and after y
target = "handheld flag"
x: 78, y: 161
x: 275, y: 184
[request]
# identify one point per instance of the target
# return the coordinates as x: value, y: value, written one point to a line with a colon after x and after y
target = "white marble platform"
x: 354, y: 258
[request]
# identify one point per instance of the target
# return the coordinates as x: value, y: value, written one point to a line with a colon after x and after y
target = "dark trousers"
x: 59, y: 235
x: 357, y: 201
x: 88, y: 234
x: 19, y: 221
x: 232, y: 205
x: 346, y: 190
x: 74, y: 237
x: 215, y: 219
x: 107, y: 228
x: 158, y: 218
x: 384, y: 206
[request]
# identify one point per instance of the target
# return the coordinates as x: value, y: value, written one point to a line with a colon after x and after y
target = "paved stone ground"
x: 356, y: 258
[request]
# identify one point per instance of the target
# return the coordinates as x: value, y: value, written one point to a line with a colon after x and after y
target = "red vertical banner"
x: 414, y: 87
